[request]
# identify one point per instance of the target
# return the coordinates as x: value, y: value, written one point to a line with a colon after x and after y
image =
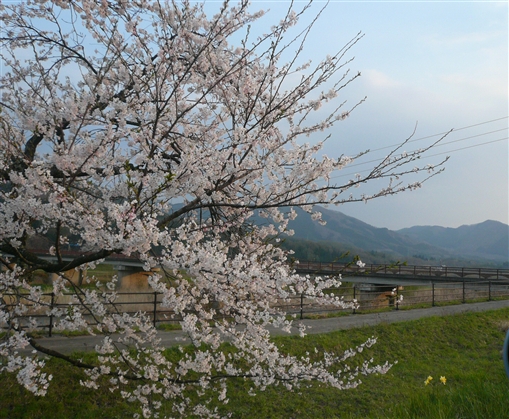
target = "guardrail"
x: 369, y: 297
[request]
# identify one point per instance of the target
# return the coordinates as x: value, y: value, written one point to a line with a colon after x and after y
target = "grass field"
x: 464, y: 348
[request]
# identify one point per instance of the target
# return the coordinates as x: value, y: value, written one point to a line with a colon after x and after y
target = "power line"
x: 440, y: 133
x: 470, y: 146
x: 437, y: 145
x: 433, y: 155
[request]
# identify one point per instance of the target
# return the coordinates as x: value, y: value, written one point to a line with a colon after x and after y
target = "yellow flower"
x: 428, y: 380
x: 443, y: 380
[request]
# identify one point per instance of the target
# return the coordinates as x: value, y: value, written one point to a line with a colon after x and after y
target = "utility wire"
x: 470, y: 146
x: 441, y: 133
x: 433, y: 155
x: 437, y: 145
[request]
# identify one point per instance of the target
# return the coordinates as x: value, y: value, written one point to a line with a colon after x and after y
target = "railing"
x: 401, y: 270
x: 369, y: 297
x: 349, y: 269
x: 373, y: 297
x: 149, y: 302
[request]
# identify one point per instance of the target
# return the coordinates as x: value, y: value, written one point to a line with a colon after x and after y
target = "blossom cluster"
x: 143, y: 129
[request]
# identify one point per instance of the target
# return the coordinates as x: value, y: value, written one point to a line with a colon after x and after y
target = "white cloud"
x: 482, y: 88
x: 379, y: 80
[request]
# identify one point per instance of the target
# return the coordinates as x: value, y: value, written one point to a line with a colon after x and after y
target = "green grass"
x: 463, y: 348
x: 167, y: 327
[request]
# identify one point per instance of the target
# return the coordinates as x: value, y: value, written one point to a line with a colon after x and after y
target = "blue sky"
x: 437, y: 64
x: 441, y: 65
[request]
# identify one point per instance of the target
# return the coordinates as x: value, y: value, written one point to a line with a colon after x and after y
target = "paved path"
x: 87, y: 343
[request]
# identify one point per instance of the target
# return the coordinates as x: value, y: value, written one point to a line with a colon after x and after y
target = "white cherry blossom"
x: 156, y: 131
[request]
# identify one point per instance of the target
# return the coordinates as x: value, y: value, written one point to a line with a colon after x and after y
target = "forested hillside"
x: 484, y: 244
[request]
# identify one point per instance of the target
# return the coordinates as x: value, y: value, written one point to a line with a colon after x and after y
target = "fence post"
x: 463, y: 292
x: 432, y: 294
x: 354, y: 297
x: 397, y: 296
x: 51, y: 315
x: 489, y: 290
x: 301, y: 306
x: 155, y: 308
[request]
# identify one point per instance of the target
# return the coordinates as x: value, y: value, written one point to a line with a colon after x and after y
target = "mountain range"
x: 486, y: 243
x: 480, y: 245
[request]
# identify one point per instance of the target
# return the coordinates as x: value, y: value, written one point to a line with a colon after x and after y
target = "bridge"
x: 126, y: 266
x: 374, y: 286
x: 402, y: 272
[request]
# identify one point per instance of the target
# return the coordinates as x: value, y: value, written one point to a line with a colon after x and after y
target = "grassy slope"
x: 464, y: 348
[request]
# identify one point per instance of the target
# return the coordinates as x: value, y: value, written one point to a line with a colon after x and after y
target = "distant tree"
x: 320, y: 251
x: 111, y: 113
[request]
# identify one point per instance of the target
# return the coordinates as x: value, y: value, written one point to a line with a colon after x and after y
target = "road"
x: 69, y: 345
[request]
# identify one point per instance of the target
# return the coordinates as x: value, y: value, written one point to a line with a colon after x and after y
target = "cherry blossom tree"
x: 155, y: 130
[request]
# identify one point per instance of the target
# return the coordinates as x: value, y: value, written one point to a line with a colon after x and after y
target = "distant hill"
x: 489, y: 240
x: 483, y: 244
x: 467, y: 245
x: 350, y: 231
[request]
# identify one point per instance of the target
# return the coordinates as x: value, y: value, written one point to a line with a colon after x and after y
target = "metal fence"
x: 370, y: 297
x: 373, y: 297
x: 401, y: 270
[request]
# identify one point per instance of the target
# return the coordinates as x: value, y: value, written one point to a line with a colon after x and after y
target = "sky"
x: 428, y: 66
x: 435, y: 65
